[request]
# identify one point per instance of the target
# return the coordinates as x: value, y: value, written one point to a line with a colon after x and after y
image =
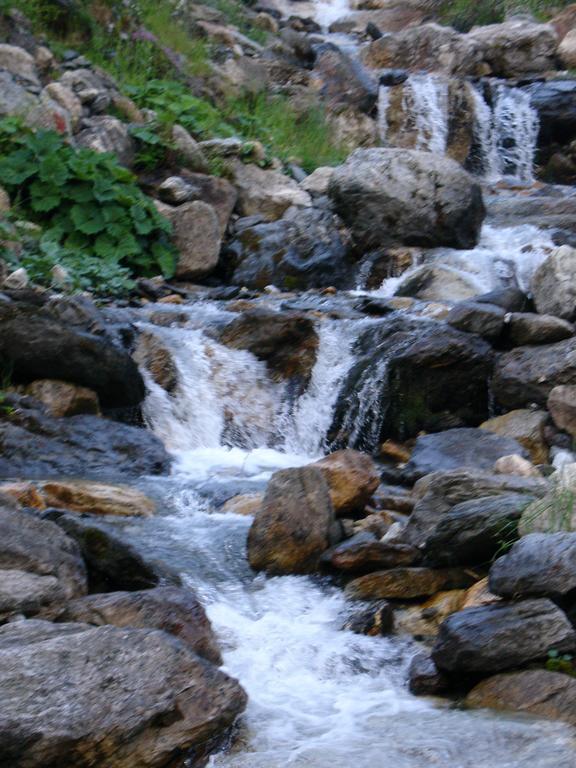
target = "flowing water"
x: 319, y: 696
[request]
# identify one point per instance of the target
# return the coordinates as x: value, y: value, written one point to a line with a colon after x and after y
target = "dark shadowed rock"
x: 35, y: 445
x: 292, y: 528
x: 407, y: 197
x: 535, y: 691
x: 524, y: 328
x: 528, y: 374
x: 35, y: 345
x: 286, y: 341
x: 487, y: 320
x: 438, y: 493
x: 539, y: 564
x: 455, y: 448
x: 77, y: 696
x: 555, y: 101
x: 510, y: 299
x: 424, y: 677
x: 407, y: 583
x: 363, y: 553
x: 343, y: 81
x: 172, y: 609
x: 375, y: 620
x: 471, y: 533
x: 112, y: 563
x: 497, y: 637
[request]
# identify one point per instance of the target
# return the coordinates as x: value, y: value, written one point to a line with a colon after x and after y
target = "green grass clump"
x: 465, y: 14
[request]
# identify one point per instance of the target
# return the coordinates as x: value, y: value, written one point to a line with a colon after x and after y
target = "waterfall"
x: 505, y: 133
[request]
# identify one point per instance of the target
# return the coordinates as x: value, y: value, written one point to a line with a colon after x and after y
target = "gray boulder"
x: 493, y: 638
x: 525, y: 328
x: 517, y: 47
x: 407, y: 197
x: 554, y: 284
x: 108, y: 134
x: 487, y: 320
x: 75, y: 696
x: 292, y: 528
x: 537, y: 565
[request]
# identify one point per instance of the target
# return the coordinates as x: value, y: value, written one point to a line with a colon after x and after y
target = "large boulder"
x: 493, y: 638
x: 535, y: 692
x: 172, y: 609
x: 34, y: 344
x: 196, y: 233
x: 540, y: 564
x: 554, y: 284
x: 266, y: 193
x: 472, y: 532
x: 440, y: 492
x: 287, y: 342
x: 108, y: 134
x: 562, y: 406
x: 527, y: 375
x: 75, y: 695
x: 407, y: 197
x: 341, y: 81
x: 487, y: 320
x: 302, y: 250
x: 527, y: 328
x: 456, y: 448
x: 35, y: 445
x: 41, y: 566
x: 409, y: 376
x: 526, y: 427
x: 352, y: 478
x: 292, y: 528
x: 428, y: 47
x: 517, y: 47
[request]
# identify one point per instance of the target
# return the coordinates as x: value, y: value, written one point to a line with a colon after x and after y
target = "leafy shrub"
x: 84, y: 201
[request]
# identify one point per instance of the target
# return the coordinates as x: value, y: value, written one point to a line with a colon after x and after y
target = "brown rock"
x: 564, y: 21
x: 189, y: 150
x: 562, y: 407
x: 63, y: 399
x: 528, y: 328
x: 373, y: 621
x: 525, y: 426
x: 291, y: 529
x: 172, y: 609
x: 424, y: 620
x: 537, y: 692
x: 479, y: 594
x: 395, y: 451
x: 217, y: 192
x: 363, y: 556
x: 408, y: 583
x: 196, y: 235
x: 352, y: 478
x: 244, y: 504
x: 152, y: 355
x: 516, y: 465
x: 25, y: 493
x: 96, y: 498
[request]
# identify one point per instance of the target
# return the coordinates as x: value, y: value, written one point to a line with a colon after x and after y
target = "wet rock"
x: 510, y: 299
x: 376, y: 620
x: 171, y: 609
x: 428, y: 47
x: 407, y: 197
x: 352, y: 478
x: 472, y: 532
x: 407, y: 583
x: 436, y: 283
x: 535, y: 692
x: 151, y: 354
x: 554, y: 284
x: 363, y: 554
x: 411, y: 376
x: 134, y: 697
x: 189, y: 151
x: 540, y: 564
x: 112, y: 564
x: 455, y: 448
x: 526, y: 328
x: 292, y: 527
x: 438, y: 493
x: 423, y: 620
x: 61, y: 399
x: 34, y: 344
x: 524, y: 426
x: 562, y: 406
x: 555, y: 101
x: 342, y: 81
x: 107, y: 134
x: 266, y: 193
x: 95, y: 498
x: 40, y: 548
x: 517, y: 47
x: 527, y: 375
x: 40, y: 446
x: 196, y: 234
x: 243, y: 504
x: 302, y: 250
x: 487, y: 320
x: 424, y: 677
x: 286, y: 341
x: 498, y: 637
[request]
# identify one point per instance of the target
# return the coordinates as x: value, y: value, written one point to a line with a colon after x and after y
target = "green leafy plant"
x: 563, y: 663
x: 85, y: 202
